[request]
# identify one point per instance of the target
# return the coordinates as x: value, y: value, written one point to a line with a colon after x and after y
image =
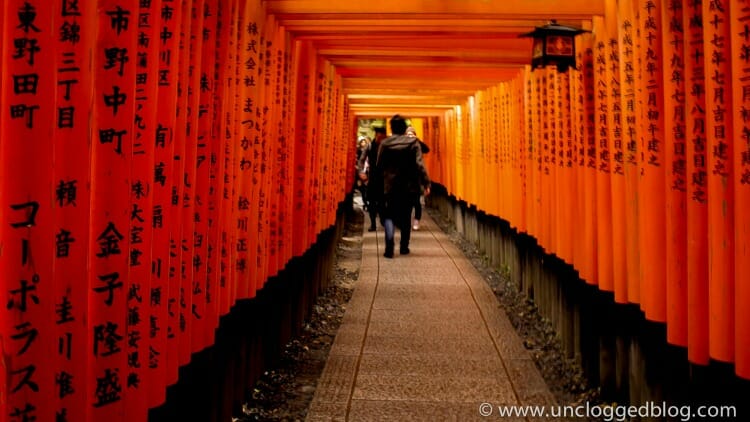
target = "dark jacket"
x: 401, y: 166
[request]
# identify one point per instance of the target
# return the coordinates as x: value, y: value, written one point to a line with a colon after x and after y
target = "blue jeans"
x: 398, y: 215
x: 390, y: 231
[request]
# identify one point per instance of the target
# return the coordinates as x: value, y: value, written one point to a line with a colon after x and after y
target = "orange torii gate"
x: 162, y: 160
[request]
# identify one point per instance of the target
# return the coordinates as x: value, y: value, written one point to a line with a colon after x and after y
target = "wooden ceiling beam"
x: 423, y: 56
x: 375, y: 90
x: 318, y: 27
x: 507, y: 9
x: 406, y: 100
x: 409, y: 112
x: 432, y: 73
x: 441, y: 41
x: 461, y: 65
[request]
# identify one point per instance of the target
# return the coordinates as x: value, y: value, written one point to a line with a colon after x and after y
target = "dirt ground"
x: 284, y: 393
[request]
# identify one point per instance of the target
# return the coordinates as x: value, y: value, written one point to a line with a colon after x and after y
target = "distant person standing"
x: 374, y: 183
x: 411, y: 132
x: 404, y: 177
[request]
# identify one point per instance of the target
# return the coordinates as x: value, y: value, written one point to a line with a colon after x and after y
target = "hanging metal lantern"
x: 554, y: 44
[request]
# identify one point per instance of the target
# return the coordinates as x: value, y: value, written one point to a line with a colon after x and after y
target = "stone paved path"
x: 423, y: 338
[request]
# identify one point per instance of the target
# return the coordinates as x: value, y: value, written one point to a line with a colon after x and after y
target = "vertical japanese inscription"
x: 162, y: 180
x: 74, y: 22
x: 26, y: 211
x: 114, y: 58
x: 719, y: 149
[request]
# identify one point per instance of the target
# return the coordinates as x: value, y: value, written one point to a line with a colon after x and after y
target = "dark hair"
x: 379, y: 129
x: 398, y: 125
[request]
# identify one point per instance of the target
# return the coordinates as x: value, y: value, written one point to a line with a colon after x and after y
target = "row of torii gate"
x: 162, y: 159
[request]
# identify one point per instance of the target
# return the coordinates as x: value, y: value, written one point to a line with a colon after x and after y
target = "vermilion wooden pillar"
x: 27, y: 314
x: 194, y: 45
x: 547, y: 168
x: 589, y: 269
x: 675, y: 186
x: 565, y: 165
x: 109, y: 279
x: 697, y: 189
x: 536, y: 154
x: 719, y: 150
x: 304, y: 70
x: 523, y: 147
x: 651, y: 183
x: 579, y: 156
x: 204, y: 285
x: 630, y: 117
x: 602, y: 139
x: 555, y: 173
x: 741, y: 120
x: 230, y: 134
x: 616, y: 154
x: 71, y: 184
x: 161, y: 325
x: 141, y: 195
x: 217, y: 202
x: 175, y: 300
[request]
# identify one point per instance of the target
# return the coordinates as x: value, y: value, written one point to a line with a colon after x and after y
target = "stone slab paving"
x: 423, y: 339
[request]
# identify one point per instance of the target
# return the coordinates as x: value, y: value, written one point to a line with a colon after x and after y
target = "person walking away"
x: 411, y: 132
x: 404, y: 177
x: 361, y: 169
x: 374, y: 183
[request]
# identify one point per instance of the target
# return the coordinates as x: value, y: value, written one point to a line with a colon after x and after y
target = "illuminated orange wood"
x: 113, y: 117
x: 676, y: 177
x: 602, y: 138
x: 565, y: 164
x: 303, y: 145
x: 217, y: 202
x: 626, y: 39
x: 579, y: 158
x: 141, y: 216
x: 554, y: 98
x: 230, y: 133
x: 534, y: 93
x: 509, y: 9
x: 72, y: 210
x: 589, y: 269
x: 616, y: 155
x: 741, y: 102
x: 27, y: 313
x: 163, y: 218
x: 720, y: 149
x: 356, y: 26
x: 178, y: 283
x: 545, y: 176
x: 697, y: 192
x: 651, y: 183
x: 437, y: 44
x: 520, y: 91
x: 205, y: 285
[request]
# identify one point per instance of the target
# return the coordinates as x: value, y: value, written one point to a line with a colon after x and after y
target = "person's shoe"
x: 404, y: 250
x: 388, y: 250
x: 415, y: 226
